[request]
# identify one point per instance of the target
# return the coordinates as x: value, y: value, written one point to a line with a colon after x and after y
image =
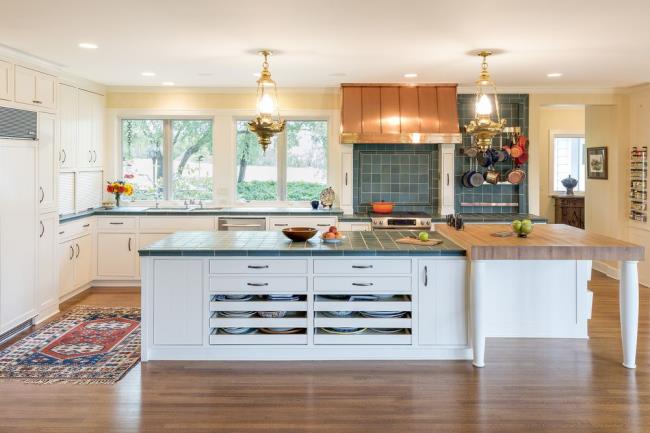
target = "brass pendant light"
x: 487, y: 122
x: 267, y: 122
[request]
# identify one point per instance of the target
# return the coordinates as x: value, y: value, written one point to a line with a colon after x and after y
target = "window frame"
x: 167, y: 151
x: 553, y: 133
x: 281, y: 166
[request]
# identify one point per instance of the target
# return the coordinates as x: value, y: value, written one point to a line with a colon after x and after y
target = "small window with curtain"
x: 568, y: 159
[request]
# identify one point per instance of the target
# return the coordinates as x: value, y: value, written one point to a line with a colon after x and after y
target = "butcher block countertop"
x: 546, y: 242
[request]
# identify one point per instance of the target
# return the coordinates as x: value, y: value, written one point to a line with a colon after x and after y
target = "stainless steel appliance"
x: 245, y: 224
x: 401, y: 221
x: 17, y: 124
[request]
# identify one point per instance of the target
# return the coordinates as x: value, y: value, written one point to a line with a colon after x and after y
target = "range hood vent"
x: 399, y: 113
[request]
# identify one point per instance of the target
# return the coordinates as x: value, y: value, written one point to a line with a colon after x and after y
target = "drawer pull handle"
x: 78, y: 250
x: 65, y: 156
x: 280, y: 225
x: 71, y: 252
x: 42, y: 194
x: 323, y: 225
x: 362, y: 266
x: 258, y: 266
x: 426, y: 276
x: 36, y: 101
x: 241, y: 225
x: 86, y: 225
x: 116, y: 223
x: 363, y: 284
x: 257, y: 284
x: 129, y: 244
x: 42, y: 230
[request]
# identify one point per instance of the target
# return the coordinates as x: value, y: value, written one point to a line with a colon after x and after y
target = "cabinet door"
x: 45, y: 90
x: 116, y: 255
x: 66, y: 267
x: 178, y: 303
x: 6, y: 81
x: 442, y: 302
x: 85, y: 129
x: 25, y: 85
x: 46, y: 168
x: 346, y: 181
x: 447, y: 179
x: 320, y: 223
x: 97, y: 129
x: 83, y: 265
x: 47, y: 291
x: 68, y: 105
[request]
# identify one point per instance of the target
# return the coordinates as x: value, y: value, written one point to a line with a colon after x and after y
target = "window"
x: 294, y: 167
x: 168, y: 159
x: 568, y: 159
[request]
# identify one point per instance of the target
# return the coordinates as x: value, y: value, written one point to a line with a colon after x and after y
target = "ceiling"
x: 210, y: 43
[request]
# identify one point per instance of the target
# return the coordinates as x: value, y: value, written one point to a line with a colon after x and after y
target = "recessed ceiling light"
x: 148, y: 74
x: 88, y: 45
x: 411, y: 75
x: 554, y: 75
x: 167, y: 83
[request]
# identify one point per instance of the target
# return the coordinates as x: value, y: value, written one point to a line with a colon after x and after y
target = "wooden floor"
x: 528, y: 386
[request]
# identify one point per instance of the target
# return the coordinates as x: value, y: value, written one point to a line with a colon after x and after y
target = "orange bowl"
x: 299, y: 234
x: 382, y: 207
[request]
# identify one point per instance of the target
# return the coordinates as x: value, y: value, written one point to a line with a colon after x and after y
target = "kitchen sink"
x: 206, y: 209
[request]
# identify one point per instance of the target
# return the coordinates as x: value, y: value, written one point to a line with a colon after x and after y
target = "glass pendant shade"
x: 267, y: 122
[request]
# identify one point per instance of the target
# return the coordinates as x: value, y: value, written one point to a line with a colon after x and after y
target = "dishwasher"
x: 235, y: 224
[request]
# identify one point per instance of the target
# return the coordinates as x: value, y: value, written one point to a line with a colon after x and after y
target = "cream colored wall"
x: 223, y: 106
x: 553, y: 118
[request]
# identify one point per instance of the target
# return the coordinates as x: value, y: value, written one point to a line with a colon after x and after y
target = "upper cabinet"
x: 6, y: 81
x: 388, y: 113
x: 34, y: 88
x: 68, y: 113
x: 90, y: 129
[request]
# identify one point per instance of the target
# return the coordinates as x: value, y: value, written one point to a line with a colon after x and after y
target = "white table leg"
x: 629, y: 308
x: 477, y: 296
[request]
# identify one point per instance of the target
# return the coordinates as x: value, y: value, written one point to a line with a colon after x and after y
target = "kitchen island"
x: 257, y: 295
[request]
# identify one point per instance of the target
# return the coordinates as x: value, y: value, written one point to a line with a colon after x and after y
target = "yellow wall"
x: 554, y: 118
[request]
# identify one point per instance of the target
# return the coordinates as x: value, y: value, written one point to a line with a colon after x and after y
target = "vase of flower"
x: 119, y: 188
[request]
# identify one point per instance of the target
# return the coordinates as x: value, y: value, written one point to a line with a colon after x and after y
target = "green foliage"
x: 267, y: 190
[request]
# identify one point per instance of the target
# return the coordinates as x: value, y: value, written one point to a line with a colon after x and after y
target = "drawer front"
x: 257, y: 267
x: 258, y: 284
x: 362, y: 266
x: 320, y: 223
x: 75, y: 229
x: 116, y: 223
x: 362, y: 284
x: 166, y: 224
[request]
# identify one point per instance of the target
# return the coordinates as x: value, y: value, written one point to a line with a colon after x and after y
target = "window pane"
x: 192, y: 159
x: 142, y: 157
x: 306, y: 159
x: 257, y: 172
x: 569, y: 160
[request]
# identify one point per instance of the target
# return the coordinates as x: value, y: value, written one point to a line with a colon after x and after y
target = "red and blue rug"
x: 87, y: 345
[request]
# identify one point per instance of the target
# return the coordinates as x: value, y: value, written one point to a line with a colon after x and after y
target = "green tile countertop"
x: 272, y: 243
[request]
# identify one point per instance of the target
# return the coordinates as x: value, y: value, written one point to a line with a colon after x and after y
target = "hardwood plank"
x: 546, y: 242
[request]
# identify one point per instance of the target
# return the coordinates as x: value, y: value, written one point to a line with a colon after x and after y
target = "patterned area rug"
x: 87, y: 345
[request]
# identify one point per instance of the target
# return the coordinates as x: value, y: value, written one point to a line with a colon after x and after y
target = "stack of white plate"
x: 238, y: 331
x: 282, y: 297
x: 338, y: 313
x: 233, y: 297
x: 236, y: 314
x: 383, y: 314
x: 344, y: 331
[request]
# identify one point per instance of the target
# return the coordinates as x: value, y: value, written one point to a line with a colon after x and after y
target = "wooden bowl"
x: 299, y: 234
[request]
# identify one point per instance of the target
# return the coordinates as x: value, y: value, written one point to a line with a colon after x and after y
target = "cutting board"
x: 413, y: 241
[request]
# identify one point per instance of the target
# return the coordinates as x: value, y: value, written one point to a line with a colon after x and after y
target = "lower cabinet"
x: 47, y: 289
x: 442, y: 302
x: 117, y: 255
x: 75, y: 263
x: 320, y: 223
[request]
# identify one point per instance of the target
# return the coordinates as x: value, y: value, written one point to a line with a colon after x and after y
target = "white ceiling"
x: 208, y: 43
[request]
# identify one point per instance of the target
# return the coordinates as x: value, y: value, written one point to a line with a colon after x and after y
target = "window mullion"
x: 167, y: 158
x: 282, y: 166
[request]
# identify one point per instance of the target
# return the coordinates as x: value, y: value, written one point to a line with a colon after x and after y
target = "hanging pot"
x: 471, y: 151
x: 493, y: 177
x: 476, y: 179
x: 522, y: 159
x: 516, y: 176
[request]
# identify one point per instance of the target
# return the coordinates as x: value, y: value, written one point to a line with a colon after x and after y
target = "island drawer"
x: 363, y: 284
x: 116, y: 223
x: 294, y: 321
x: 258, y: 266
x: 362, y: 266
x: 253, y: 339
x: 367, y: 336
x: 258, y: 284
x: 157, y: 224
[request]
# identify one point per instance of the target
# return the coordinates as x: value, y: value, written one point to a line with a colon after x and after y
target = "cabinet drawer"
x: 75, y: 229
x: 160, y: 224
x: 362, y: 284
x: 320, y: 223
x: 116, y: 223
x: 362, y: 266
x: 254, y: 267
x: 258, y: 284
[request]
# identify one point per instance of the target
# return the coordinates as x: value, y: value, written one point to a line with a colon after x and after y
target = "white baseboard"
x: 610, y: 271
x: 115, y: 283
x: 47, y: 312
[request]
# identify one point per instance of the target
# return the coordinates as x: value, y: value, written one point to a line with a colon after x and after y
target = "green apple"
x: 516, y: 226
x: 526, y: 227
x: 424, y: 236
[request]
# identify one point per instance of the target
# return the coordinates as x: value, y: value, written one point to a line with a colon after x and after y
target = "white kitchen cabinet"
x: 34, y: 88
x: 66, y: 267
x: 178, y: 304
x: 442, y: 302
x: 68, y: 114
x: 6, y: 81
x: 90, y: 129
x: 83, y: 265
x: 117, y: 255
x: 446, y: 191
x: 346, y: 181
x: 320, y: 223
x: 47, y: 289
x: 46, y: 162
x: 18, y: 232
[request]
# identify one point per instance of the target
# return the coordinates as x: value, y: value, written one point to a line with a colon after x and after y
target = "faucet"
x: 201, y: 204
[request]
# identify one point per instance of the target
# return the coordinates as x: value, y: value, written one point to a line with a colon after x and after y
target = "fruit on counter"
x: 423, y: 236
x: 333, y: 229
x: 329, y: 235
x: 516, y: 226
x: 338, y: 235
x: 523, y: 227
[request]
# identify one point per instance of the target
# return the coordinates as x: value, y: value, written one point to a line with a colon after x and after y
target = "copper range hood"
x: 399, y: 113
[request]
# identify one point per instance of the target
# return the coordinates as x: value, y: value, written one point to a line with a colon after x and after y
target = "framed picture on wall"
x: 597, y: 163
